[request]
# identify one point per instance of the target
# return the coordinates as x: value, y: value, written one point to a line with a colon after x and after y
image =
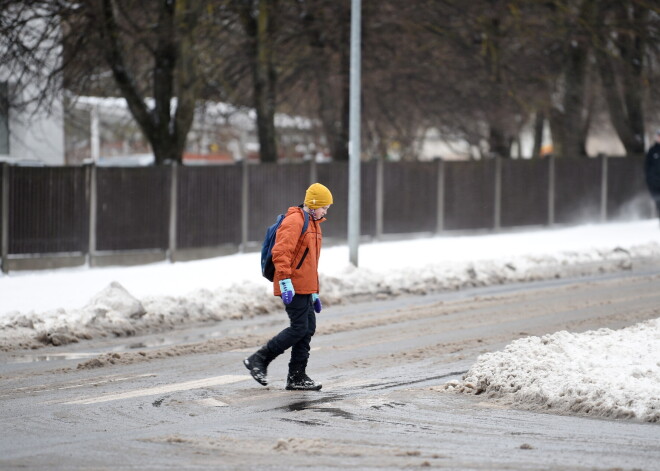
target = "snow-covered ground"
x: 62, y: 306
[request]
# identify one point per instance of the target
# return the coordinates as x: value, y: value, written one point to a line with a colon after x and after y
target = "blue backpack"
x: 267, y: 266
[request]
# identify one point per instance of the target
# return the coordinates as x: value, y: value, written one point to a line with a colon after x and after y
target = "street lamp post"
x: 354, y: 137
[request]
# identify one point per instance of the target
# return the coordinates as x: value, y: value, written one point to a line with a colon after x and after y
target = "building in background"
x: 31, y: 112
x: 102, y: 130
x: 30, y: 134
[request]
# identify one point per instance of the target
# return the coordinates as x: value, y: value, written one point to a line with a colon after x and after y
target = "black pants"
x: 655, y: 194
x: 299, y: 333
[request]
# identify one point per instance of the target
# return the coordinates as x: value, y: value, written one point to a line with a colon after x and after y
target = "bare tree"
x: 474, y: 55
x: 315, y: 66
x: 477, y: 70
x: 30, y: 53
x: 149, y: 48
x: 568, y: 110
x: 259, y: 19
x: 168, y: 45
x: 622, y: 34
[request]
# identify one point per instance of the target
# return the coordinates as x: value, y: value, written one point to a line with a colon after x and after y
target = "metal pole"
x: 440, y: 217
x: 95, y: 133
x: 497, y: 216
x: 551, y: 190
x: 380, y: 197
x: 245, y: 201
x: 603, y: 189
x: 174, y: 197
x: 354, y: 139
x: 93, y: 175
x: 95, y: 148
x: 4, y: 237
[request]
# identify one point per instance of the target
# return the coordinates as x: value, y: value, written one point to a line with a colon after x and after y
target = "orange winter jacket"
x: 296, y: 255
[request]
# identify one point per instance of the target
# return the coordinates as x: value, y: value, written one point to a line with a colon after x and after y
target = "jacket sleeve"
x: 286, y: 241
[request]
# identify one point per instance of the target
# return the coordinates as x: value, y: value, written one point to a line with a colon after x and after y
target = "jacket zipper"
x: 303, y: 258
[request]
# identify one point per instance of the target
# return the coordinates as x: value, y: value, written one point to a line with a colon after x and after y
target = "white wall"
x: 37, y: 135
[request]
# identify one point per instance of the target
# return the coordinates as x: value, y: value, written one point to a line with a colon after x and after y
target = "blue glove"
x: 287, y: 290
x: 317, y: 303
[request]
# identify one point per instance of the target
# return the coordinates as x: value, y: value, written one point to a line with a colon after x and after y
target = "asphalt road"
x: 183, y: 400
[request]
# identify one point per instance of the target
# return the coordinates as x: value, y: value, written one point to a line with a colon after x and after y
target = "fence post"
x: 174, y: 190
x: 4, y: 237
x: 440, y: 195
x: 92, y: 176
x: 551, y: 190
x: 380, y: 196
x: 497, y: 216
x: 603, y: 189
x: 95, y: 135
x: 245, y: 201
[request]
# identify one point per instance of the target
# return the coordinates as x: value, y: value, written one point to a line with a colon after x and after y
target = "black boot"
x: 299, y: 381
x: 257, y: 363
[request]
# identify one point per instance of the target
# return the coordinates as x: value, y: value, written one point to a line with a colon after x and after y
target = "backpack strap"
x: 306, y: 221
x: 304, y: 228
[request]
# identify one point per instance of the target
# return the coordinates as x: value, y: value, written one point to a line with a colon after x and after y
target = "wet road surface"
x: 183, y: 400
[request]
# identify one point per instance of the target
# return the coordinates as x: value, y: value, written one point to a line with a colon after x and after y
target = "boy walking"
x: 296, y: 281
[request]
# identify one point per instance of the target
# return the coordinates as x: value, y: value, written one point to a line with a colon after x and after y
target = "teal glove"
x: 287, y: 290
x: 317, y: 303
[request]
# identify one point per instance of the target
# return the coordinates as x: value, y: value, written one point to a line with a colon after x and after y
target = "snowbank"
x: 44, y: 307
x: 607, y: 373
x: 114, y: 311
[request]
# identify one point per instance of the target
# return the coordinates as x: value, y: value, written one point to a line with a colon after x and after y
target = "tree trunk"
x: 539, y: 121
x: 259, y: 30
x: 573, y: 102
x: 186, y: 75
x: 498, y: 142
x: 331, y: 119
x: 624, y: 100
x: 556, y: 120
x: 568, y: 120
x: 265, y: 80
x: 499, y: 139
x: 331, y: 62
x: 165, y: 132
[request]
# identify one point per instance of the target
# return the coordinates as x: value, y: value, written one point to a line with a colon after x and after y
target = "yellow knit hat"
x: 317, y: 196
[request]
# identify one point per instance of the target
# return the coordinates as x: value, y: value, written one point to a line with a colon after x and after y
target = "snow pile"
x: 115, y: 312
x: 44, y: 307
x: 451, y: 275
x: 607, y: 373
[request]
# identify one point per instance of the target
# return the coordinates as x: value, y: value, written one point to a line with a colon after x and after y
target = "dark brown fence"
x: 132, y: 208
x: 525, y: 192
x: 272, y: 188
x: 95, y: 211
x: 626, y: 189
x: 208, y: 210
x: 410, y: 202
x: 578, y: 190
x: 335, y: 176
x: 469, y: 199
x: 48, y: 210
